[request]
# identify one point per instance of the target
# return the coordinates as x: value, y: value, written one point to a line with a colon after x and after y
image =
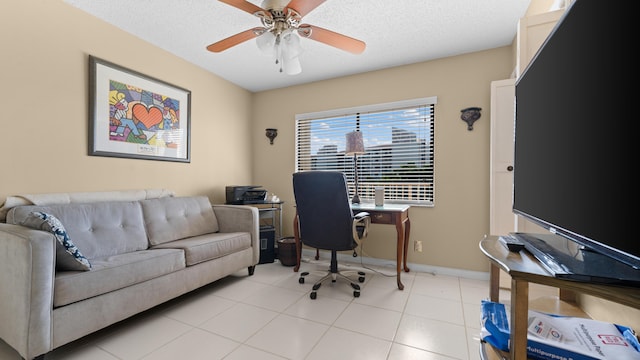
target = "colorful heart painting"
x: 148, y: 117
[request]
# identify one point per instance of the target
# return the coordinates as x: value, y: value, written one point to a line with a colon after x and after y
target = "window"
x: 398, y: 139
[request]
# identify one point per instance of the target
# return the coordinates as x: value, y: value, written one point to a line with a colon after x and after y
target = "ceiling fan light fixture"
x: 291, y: 46
x: 284, y: 47
x: 292, y: 66
x: 287, y: 53
x: 266, y: 43
x: 282, y: 27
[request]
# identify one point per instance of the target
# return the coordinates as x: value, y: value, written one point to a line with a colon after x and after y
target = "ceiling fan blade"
x: 332, y: 38
x: 236, y: 39
x: 244, y: 5
x: 303, y: 7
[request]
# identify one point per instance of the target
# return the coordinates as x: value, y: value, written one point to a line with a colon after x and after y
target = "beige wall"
x: 44, y: 96
x: 45, y: 106
x: 451, y: 230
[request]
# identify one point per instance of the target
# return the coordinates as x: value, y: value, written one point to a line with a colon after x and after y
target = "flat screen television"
x: 574, y: 136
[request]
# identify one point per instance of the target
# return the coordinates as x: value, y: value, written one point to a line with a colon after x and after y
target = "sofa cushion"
x: 209, y: 246
x: 115, y: 272
x: 68, y: 256
x: 173, y: 218
x: 99, y: 229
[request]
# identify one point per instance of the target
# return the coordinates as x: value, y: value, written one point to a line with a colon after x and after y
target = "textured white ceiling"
x: 397, y: 32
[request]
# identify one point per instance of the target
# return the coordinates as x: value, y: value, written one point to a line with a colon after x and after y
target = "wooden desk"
x: 390, y: 214
x: 523, y: 269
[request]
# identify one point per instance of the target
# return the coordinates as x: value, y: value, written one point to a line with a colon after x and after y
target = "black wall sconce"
x: 271, y: 134
x: 470, y: 115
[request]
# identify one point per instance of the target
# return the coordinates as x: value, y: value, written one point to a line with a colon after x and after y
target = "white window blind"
x: 398, y: 139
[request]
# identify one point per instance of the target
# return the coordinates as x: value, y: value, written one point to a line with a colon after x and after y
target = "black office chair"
x: 326, y: 222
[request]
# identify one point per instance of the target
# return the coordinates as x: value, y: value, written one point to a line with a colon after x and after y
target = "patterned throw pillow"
x: 68, y: 255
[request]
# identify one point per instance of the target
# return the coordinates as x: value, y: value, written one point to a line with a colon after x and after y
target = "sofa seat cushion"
x: 115, y: 272
x: 174, y: 218
x: 209, y: 246
x: 97, y: 229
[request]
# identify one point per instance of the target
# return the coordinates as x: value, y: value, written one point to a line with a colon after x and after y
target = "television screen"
x: 574, y: 136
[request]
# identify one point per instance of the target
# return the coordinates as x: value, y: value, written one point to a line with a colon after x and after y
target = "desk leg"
x: 519, y: 319
x: 402, y: 230
x: 494, y: 283
x: 407, y: 229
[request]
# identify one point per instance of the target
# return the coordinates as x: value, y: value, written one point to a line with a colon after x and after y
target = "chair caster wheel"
x: 361, y: 279
x: 301, y: 280
x: 313, y: 295
x: 356, y: 294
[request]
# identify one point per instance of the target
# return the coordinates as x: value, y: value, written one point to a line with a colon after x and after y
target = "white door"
x: 501, y: 217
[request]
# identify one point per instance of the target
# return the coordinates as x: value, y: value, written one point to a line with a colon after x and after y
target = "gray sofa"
x: 115, y: 251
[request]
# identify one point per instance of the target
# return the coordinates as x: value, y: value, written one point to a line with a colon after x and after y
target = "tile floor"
x: 270, y: 316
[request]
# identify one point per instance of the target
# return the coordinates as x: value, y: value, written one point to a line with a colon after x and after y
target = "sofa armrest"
x: 240, y: 218
x: 27, y: 270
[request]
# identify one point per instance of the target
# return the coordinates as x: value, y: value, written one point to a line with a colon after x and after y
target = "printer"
x: 245, y: 194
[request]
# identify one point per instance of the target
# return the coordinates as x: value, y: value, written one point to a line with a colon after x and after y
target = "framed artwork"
x: 132, y: 115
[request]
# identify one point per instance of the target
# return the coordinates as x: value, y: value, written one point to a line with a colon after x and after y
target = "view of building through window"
x: 398, y: 140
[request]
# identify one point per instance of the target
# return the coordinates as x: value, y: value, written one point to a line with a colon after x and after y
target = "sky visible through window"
x: 375, y: 127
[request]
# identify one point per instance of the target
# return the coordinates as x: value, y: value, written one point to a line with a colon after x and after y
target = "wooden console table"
x: 524, y: 269
x: 390, y: 214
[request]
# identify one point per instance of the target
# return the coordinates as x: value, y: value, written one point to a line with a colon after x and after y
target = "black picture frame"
x: 132, y: 115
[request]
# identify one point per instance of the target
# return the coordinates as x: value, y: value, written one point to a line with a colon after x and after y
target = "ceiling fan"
x: 281, y: 20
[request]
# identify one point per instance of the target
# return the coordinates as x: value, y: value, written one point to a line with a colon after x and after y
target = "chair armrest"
x: 27, y: 271
x: 240, y: 218
x: 361, y: 220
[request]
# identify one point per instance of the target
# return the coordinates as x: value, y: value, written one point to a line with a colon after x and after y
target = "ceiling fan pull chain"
x: 278, y: 46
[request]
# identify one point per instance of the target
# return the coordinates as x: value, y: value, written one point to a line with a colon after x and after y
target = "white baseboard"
x: 308, y: 254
